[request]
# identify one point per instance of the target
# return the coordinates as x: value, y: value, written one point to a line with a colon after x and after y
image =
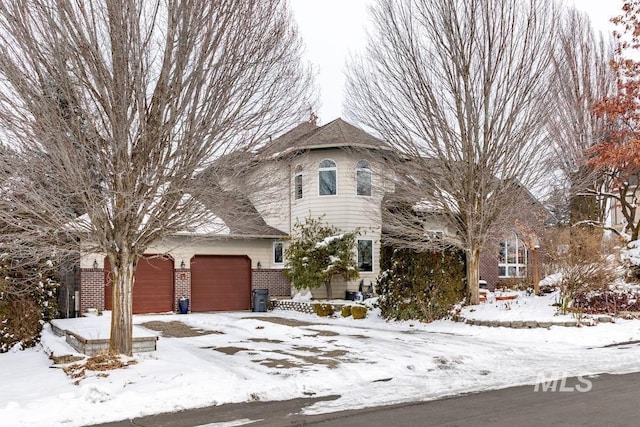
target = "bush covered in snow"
x: 318, y: 252
x: 28, y: 298
x: 323, y: 310
x: 581, y: 280
x: 345, y: 311
x: 419, y: 285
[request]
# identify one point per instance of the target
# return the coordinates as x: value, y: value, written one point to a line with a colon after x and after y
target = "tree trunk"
x: 121, y: 338
x: 536, y: 272
x: 327, y: 285
x: 473, y: 275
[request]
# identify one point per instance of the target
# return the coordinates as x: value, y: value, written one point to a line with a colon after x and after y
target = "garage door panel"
x: 220, y: 283
x: 153, y: 289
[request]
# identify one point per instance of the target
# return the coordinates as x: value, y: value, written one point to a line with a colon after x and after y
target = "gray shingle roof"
x: 335, y: 134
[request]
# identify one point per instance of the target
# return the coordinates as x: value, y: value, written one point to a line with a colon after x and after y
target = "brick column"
x: 182, y: 285
x: 91, y: 289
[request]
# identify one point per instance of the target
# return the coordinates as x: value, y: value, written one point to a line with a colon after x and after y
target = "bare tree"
x: 583, y: 77
x: 112, y: 107
x: 461, y: 88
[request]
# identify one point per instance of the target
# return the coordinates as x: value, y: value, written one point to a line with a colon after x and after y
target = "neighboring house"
x: 334, y: 171
x: 515, y: 253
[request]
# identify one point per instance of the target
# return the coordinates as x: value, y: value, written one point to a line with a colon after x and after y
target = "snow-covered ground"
x: 367, y: 362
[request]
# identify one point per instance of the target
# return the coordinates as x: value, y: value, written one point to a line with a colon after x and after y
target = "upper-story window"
x: 363, y: 178
x: 513, y: 258
x: 297, y: 183
x: 327, y: 178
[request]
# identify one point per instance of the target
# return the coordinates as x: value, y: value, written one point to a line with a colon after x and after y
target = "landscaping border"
x: 302, y: 306
x: 531, y: 324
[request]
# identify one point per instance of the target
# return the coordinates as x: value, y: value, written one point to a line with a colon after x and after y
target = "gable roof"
x: 335, y: 134
x: 239, y: 215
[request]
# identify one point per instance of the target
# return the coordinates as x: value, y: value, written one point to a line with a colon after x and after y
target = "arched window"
x: 327, y: 178
x: 297, y: 183
x: 363, y: 178
x: 513, y: 258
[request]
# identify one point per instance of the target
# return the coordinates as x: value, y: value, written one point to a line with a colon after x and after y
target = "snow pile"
x: 283, y: 355
x: 632, y: 253
x: 304, y: 295
x: 552, y: 280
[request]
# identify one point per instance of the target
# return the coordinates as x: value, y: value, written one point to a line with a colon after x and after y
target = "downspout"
x: 290, y: 201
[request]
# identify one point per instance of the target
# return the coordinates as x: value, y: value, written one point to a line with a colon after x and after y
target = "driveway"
x: 205, y: 360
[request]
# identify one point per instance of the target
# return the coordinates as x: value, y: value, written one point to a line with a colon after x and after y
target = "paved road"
x: 612, y: 400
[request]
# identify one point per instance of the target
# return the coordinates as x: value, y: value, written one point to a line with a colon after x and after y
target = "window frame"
x: 358, y: 255
x: 298, y: 174
x: 512, y: 258
x: 325, y: 169
x: 364, y: 169
x: 274, y: 261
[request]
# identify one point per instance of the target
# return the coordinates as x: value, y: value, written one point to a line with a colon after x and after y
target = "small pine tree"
x: 317, y: 253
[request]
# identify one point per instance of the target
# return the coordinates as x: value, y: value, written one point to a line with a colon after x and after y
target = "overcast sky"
x: 333, y: 28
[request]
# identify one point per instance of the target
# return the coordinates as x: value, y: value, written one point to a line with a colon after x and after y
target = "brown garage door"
x: 220, y: 283
x: 153, y: 289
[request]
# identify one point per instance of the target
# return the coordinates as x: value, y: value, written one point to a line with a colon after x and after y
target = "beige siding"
x: 345, y: 210
x: 271, y: 197
x: 183, y: 249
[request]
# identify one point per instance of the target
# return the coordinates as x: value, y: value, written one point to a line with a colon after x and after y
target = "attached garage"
x: 220, y: 283
x: 153, y: 289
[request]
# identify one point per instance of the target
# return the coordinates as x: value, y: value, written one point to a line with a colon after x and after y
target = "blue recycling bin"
x: 183, y: 303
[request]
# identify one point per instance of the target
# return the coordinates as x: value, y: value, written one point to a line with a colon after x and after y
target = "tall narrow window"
x: 363, y: 178
x: 297, y: 183
x: 365, y: 255
x: 327, y: 178
x: 278, y: 253
x: 513, y: 258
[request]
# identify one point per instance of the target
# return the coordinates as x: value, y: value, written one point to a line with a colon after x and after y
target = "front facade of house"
x: 327, y: 171
x: 331, y: 171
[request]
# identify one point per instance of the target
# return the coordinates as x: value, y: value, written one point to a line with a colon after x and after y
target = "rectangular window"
x: 278, y: 253
x: 365, y: 255
x: 327, y: 183
x: 298, y: 186
x: 512, y: 260
x: 363, y: 182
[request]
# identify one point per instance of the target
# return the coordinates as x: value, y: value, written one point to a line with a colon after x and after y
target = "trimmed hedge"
x: 359, y: 311
x: 323, y: 310
x: 346, y: 311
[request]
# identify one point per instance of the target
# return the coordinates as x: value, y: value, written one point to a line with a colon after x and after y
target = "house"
x: 335, y: 171
x: 515, y: 253
x: 328, y: 170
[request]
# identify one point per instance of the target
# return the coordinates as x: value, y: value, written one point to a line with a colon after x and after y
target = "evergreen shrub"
x: 419, y: 285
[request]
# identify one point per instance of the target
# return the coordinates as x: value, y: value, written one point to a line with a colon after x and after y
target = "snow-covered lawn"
x: 367, y: 362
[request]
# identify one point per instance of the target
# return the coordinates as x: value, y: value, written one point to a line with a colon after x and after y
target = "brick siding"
x: 272, y: 279
x: 92, y: 285
x: 489, y: 265
x: 91, y: 289
x: 182, y: 285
